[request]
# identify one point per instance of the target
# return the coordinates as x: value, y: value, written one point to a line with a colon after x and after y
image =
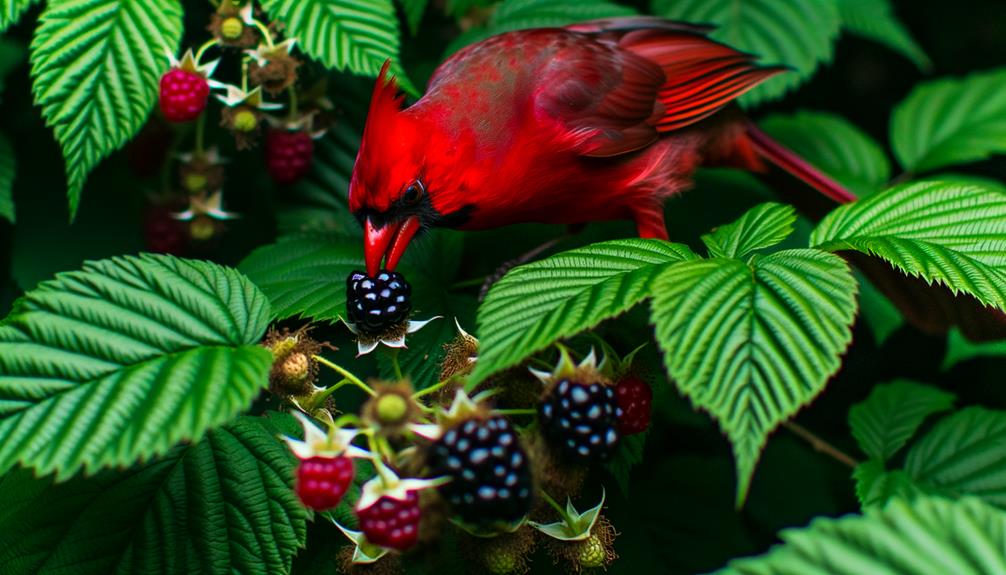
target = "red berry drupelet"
x: 183, y: 95
x: 635, y: 398
x: 391, y: 522
x: 323, y: 481
x: 288, y: 155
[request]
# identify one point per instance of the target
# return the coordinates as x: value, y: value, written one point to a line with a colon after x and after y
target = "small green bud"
x: 245, y: 121
x: 391, y: 408
x: 592, y: 553
x: 232, y: 28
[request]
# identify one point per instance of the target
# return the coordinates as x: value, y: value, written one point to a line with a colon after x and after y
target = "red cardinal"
x: 596, y: 121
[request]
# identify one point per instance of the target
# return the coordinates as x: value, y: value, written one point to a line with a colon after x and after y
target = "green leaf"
x: 835, y: 146
x: 224, y: 505
x: 884, y: 422
x: 951, y: 121
x: 630, y: 454
x: 762, y: 226
x: 8, y: 169
x: 882, y: 316
x: 95, y: 66
x: 125, y: 358
x: 752, y: 343
x: 12, y: 10
x: 354, y: 35
x: 414, y: 11
x: 305, y: 276
x: 540, y: 303
x: 796, y: 33
x: 946, y: 233
x: 875, y: 486
x: 960, y: 348
x: 875, y: 19
x: 522, y: 14
x: 963, y: 455
x: 925, y: 536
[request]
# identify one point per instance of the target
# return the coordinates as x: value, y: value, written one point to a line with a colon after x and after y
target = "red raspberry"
x: 162, y: 233
x: 322, y: 481
x: 288, y: 155
x: 183, y: 95
x: 391, y: 522
x: 635, y: 397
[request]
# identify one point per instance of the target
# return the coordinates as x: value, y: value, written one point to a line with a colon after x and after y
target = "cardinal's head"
x: 403, y: 181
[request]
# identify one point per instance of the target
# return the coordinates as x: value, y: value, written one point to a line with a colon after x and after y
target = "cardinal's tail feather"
x: 781, y: 156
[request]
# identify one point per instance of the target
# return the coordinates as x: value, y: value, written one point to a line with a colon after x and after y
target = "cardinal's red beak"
x: 388, y: 240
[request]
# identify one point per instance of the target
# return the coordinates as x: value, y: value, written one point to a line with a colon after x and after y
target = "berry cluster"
x: 489, y: 471
x: 377, y: 304
x: 581, y: 420
x: 462, y: 459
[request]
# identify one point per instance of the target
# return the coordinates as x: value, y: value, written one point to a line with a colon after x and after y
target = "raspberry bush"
x: 196, y: 377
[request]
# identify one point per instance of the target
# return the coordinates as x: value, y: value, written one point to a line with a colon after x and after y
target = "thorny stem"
x: 820, y: 445
x: 562, y: 512
x: 202, y: 49
x: 345, y: 373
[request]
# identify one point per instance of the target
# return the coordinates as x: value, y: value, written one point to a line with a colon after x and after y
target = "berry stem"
x: 346, y: 374
x: 202, y: 49
x: 348, y: 418
x: 562, y: 512
x: 200, y: 138
x: 266, y: 34
x: 527, y: 411
x: 393, y: 356
x: 293, y: 102
x: 820, y: 445
x: 244, y: 72
x: 432, y: 389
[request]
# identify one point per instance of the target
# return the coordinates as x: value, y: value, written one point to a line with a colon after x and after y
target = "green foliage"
x: 222, y: 505
x: 123, y: 359
x: 95, y: 66
x: 11, y: 56
x: 539, y: 303
x: 520, y: 14
x: 875, y: 486
x: 8, y: 169
x: 355, y: 35
x: 12, y: 10
x: 960, y: 349
x: 753, y: 342
x: 927, y: 536
x: 884, y: 422
x: 833, y: 145
x: 951, y: 121
x: 629, y: 454
x: 795, y: 33
x: 946, y: 233
x: 882, y: 316
x: 414, y: 10
x: 875, y: 19
x: 304, y: 276
x: 963, y: 455
x: 760, y: 227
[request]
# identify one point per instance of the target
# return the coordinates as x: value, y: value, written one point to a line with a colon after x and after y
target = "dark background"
x: 679, y: 517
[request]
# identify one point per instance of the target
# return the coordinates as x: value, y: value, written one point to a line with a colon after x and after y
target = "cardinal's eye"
x: 412, y: 193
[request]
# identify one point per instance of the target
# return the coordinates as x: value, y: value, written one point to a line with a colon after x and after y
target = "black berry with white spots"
x: 580, y: 420
x: 376, y: 304
x: 489, y: 471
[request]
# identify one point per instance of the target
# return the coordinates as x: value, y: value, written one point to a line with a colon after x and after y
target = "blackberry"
x: 377, y: 304
x: 489, y: 471
x: 580, y: 420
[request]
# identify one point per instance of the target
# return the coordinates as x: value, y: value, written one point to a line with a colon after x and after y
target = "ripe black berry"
x: 376, y: 304
x: 581, y: 421
x: 489, y: 471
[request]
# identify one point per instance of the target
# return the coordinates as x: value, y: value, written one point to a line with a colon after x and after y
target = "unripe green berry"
x: 245, y: 121
x: 391, y: 408
x: 202, y: 229
x: 232, y: 28
x: 195, y: 182
x: 592, y: 553
x: 501, y: 561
